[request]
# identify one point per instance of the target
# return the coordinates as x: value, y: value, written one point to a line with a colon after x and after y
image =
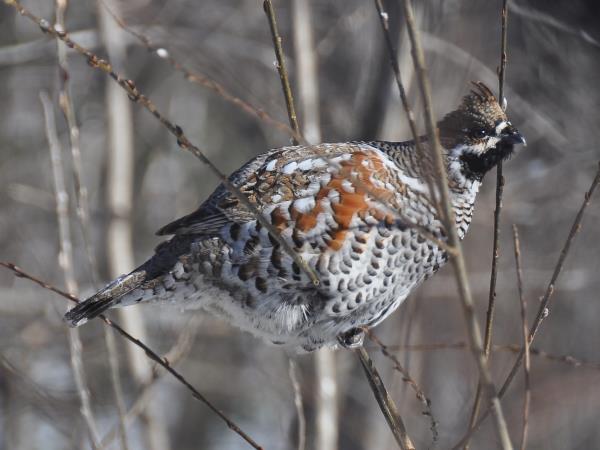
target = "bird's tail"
x: 105, y: 298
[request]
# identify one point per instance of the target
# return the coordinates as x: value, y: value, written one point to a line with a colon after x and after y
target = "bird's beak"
x: 510, y: 135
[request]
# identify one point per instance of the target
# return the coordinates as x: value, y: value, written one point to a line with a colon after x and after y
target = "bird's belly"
x: 360, y: 285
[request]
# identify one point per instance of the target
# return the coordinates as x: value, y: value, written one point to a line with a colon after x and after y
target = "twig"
x: 384, y: 21
x: 65, y: 261
x: 543, y: 310
x: 199, y: 78
x: 66, y: 105
x: 564, y: 359
x: 163, y: 362
x: 386, y: 404
x: 82, y: 206
x: 293, y: 373
x: 411, y: 382
x: 281, y: 69
x: 182, y: 140
x: 174, y: 355
x: 453, y: 240
x: 489, y: 320
x: 424, y: 158
x: 513, y: 348
x: 527, y: 365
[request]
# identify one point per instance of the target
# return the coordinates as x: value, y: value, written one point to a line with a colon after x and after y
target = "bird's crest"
x: 479, y: 110
x: 482, y: 102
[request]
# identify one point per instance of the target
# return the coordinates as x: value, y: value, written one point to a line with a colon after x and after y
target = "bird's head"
x: 478, y: 133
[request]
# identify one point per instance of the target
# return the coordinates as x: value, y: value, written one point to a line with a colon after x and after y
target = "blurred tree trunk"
x: 326, y: 437
x: 120, y: 181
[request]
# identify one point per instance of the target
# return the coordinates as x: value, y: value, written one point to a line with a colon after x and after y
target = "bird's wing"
x: 221, y: 207
x: 315, y: 189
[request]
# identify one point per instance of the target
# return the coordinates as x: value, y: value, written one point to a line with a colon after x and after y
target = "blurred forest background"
x: 138, y: 180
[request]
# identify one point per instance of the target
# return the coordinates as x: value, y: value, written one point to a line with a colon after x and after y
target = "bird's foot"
x: 352, y: 338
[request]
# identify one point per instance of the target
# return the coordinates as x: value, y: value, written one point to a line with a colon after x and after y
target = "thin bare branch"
x: 411, y: 382
x: 82, y: 206
x: 163, y: 362
x: 281, y: 69
x: 66, y: 105
x: 174, y: 355
x: 424, y: 157
x: 543, y: 310
x: 200, y: 78
x: 65, y: 261
x: 458, y: 259
x: 386, y: 404
x: 182, y: 140
x: 569, y: 360
x: 489, y: 320
x: 523, y: 308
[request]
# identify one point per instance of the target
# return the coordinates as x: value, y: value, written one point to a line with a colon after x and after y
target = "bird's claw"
x: 352, y: 338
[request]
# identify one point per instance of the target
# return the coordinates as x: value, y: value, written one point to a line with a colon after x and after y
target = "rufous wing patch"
x: 355, y: 187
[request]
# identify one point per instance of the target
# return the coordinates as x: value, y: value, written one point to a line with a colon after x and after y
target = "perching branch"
x: 411, y: 382
x: 386, y: 404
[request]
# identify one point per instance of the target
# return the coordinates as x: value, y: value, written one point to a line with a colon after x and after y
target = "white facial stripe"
x: 501, y: 126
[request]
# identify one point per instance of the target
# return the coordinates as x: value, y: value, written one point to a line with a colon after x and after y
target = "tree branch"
x: 543, y: 308
x: 163, y: 362
x: 457, y: 259
x: 386, y: 404
x: 182, y: 140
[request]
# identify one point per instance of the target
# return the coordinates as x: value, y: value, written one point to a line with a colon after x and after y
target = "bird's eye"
x: 479, y: 133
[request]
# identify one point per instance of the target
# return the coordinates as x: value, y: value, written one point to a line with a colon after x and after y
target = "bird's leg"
x: 353, y: 338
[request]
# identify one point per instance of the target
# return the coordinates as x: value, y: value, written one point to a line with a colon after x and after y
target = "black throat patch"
x: 476, y: 166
